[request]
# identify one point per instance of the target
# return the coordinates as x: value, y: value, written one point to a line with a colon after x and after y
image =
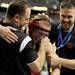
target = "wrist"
x: 60, y: 62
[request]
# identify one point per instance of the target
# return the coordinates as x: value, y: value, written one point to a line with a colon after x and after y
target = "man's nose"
x: 66, y: 19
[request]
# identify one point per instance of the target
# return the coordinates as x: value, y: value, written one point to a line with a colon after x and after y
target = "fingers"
x: 54, y: 44
x: 7, y: 40
x: 43, y: 14
x: 12, y: 37
x: 54, y: 47
x: 7, y: 34
x: 11, y: 28
x: 23, y: 29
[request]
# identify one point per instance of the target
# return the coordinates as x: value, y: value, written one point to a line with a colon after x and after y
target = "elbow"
x: 36, y: 66
x: 36, y: 69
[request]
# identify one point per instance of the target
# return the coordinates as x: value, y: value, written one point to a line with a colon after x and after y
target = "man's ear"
x: 17, y: 19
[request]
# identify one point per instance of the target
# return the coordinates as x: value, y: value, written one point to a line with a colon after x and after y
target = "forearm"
x: 38, y: 63
x: 42, y: 55
x: 68, y: 63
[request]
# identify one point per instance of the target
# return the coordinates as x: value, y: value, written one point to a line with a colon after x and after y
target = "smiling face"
x: 41, y: 32
x: 67, y: 17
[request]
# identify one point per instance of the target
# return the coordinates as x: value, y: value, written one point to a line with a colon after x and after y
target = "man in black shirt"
x: 19, y: 57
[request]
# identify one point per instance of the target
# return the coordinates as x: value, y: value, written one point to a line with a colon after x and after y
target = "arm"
x: 54, y: 69
x: 39, y: 62
x: 5, y: 33
x: 68, y: 63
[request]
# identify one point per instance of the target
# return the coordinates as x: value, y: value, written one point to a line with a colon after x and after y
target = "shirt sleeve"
x: 29, y: 54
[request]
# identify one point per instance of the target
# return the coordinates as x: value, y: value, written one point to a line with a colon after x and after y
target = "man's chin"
x: 66, y: 29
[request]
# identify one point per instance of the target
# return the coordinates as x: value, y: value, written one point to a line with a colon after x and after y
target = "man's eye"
x: 66, y: 16
x: 63, y: 16
x: 26, y: 19
x: 69, y: 16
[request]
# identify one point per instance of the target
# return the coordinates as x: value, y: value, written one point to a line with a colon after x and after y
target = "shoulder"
x: 25, y: 42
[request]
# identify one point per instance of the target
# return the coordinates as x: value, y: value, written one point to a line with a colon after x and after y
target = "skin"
x: 67, y: 18
x: 38, y: 63
x: 20, y: 21
x: 37, y: 35
x: 7, y: 34
x: 25, y: 18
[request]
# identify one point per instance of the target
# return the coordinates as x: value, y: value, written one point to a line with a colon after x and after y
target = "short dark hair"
x: 18, y: 7
x: 66, y: 4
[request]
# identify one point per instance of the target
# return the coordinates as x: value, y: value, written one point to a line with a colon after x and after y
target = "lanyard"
x: 63, y: 42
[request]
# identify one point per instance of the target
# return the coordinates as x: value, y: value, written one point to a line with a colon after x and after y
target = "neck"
x: 6, y: 21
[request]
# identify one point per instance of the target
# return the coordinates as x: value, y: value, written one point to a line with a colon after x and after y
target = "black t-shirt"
x: 68, y: 51
x: 14, y: 57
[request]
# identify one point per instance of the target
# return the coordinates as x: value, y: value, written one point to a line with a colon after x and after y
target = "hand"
x: 44, y: 41
x: 50, y: 48
x: 51, y: 54
x: 53, y: 59
x: 7, y: 34
x: 43, y: 14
